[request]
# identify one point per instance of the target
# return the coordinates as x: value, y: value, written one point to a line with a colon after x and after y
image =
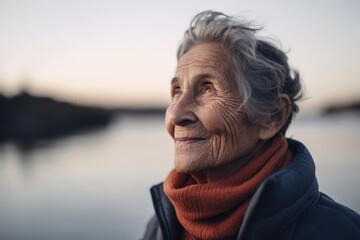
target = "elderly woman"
x: 236, y: 176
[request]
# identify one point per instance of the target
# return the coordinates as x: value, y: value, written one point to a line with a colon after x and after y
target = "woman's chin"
x: 181, y: 167
x: 185, y: 166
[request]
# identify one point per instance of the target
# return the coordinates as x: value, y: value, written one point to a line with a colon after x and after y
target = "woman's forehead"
x: 205, y: 55
x: 205, y: 61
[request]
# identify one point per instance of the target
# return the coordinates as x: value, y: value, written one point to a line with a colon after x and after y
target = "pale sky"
x: 123, y: 52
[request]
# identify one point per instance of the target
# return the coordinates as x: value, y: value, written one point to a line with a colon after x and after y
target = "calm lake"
x: 95, y: 185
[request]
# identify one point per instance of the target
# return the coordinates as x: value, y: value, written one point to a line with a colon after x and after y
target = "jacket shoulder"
x: 328, y: 220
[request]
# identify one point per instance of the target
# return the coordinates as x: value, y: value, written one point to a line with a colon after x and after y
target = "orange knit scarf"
x: 215, y: 210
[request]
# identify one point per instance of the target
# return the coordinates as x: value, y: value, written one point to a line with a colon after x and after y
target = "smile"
x: 188, y: 140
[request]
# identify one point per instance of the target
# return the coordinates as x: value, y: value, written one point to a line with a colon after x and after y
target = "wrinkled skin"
x: 212, y: 136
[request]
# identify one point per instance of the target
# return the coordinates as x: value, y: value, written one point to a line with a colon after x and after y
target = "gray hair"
x: 261, y: 69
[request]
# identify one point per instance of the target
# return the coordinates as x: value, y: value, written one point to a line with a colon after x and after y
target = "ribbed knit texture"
x: 215, y: 210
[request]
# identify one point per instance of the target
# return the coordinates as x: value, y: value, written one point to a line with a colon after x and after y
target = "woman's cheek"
x: 169, y: 125
x: 211, y: 119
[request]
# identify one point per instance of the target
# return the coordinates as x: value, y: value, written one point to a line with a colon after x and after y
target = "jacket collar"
x: 165, y: 213
x: 282, y: 197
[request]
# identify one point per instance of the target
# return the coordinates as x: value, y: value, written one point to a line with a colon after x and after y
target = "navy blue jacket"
x: 287, y: 205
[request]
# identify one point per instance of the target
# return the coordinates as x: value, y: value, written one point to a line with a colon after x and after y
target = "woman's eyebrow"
x: 197, y: 78
x: 174, y: 81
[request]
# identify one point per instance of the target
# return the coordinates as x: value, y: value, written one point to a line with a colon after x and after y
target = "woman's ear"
x: 273, y: 124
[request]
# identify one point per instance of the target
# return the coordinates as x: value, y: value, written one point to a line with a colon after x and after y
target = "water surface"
x: 95, y: 185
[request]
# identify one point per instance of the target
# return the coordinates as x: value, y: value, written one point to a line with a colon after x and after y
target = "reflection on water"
x: 95, y: 186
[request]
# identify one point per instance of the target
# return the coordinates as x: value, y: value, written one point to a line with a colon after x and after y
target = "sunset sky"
x: 123, y: 52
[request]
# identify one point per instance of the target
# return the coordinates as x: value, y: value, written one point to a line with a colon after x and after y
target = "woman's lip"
x: 188, y: 139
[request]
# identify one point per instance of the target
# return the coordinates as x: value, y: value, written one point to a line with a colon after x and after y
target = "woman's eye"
x: 208, y: 88
x: 176, y: 93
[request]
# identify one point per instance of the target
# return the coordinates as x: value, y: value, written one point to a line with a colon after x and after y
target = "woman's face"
x: 203, y: 118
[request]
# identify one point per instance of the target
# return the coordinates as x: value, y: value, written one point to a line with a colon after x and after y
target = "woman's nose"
x: 182, y: 111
